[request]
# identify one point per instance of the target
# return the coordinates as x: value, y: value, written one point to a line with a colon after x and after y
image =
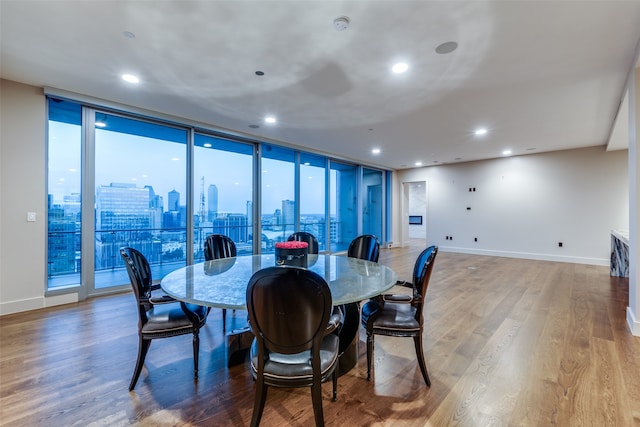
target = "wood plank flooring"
x: 508, y: 342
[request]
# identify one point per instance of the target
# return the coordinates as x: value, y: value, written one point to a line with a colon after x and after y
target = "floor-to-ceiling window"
x: 223, y: 192
x: 278, y: 213
x: 140, y: 195
x: 343, y: 202
x: 313, y: 198
x: 64, y: 252
x: 118, y: 179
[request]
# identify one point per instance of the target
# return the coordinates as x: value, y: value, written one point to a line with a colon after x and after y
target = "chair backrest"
x: 140, y: 278
x: 289, y: 308
x: 303, y: 236
x: 421, y: 276
x: 218, y: 246
x: 365, y: 247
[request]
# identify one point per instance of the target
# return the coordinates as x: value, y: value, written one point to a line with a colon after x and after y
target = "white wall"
x: 524, y: 205
x: 22, y: 189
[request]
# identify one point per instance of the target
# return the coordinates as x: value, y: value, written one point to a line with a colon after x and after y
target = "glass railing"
x: 164, y: 248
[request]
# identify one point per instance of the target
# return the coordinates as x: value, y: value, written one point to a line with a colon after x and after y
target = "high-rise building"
x: 174, y: 201
x: 212, y: 202
x: 121, y: 207
x: 123, y: 216
x: 156, y: 208
x: 276, y: 219
x: 63, y: 240
x: 289, y: 214
x: 232, y: 225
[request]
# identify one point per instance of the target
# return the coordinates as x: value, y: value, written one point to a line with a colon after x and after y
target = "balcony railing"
x: 164, y: 248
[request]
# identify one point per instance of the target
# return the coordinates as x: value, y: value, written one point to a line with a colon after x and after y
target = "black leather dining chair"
x: 289, y: 310
x: 365, y: 247
x: 401, y: 315
x: 218, y: 246
x: 159, y: 317
x: 303, y: 236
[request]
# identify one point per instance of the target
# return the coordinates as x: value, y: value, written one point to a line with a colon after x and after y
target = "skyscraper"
x: 123, y: 216
x: 174, y: 201
x: 288, y: 214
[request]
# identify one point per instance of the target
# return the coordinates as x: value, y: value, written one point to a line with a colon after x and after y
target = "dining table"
x: 222, y: 283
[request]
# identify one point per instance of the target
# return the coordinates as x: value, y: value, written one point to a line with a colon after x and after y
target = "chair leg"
x: 196, y: 351
x: 369, y: 354
x: 258, y: 404
x: 335, y: 385
x: 420, y: 353
x: 316, y: 397
x: 224, y: 320
x: 143, y: 348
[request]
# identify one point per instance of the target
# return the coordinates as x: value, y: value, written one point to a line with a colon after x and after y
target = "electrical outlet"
x: 31, y: 217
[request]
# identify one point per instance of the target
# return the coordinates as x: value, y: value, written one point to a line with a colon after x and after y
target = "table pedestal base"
x: 348, y: 334
x: 238, y: 343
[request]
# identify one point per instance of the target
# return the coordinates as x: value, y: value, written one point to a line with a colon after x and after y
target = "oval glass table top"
x: 223, y: 282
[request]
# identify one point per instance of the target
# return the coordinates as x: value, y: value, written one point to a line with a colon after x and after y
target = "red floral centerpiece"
x: 292, y: 253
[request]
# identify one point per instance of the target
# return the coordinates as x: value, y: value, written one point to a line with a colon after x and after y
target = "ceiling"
x: 539, y: 75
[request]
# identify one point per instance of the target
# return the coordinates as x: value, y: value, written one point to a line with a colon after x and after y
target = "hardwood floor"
x: 507, y: 342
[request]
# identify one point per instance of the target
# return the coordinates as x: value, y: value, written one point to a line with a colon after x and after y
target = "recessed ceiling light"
x: 254, y: 126
x: 446, y: 47
x: 376, y: 151
x: 269, y: 119
x: 175, y: 159
x: 207, y: 145
x: 506, y: 152
x: 101, y: 124
x: 130, y: 78
x: 129, y: 34
x: 480, y: 131
x: 400, y: 67
x: 418, y: 163
x: 259, y: 73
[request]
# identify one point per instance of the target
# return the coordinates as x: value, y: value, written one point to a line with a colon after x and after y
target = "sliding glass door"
x: 343, y: 200
x: 313, y: 184
x: 140, y: 196
x: 279, y: 214
x: 223, y: 192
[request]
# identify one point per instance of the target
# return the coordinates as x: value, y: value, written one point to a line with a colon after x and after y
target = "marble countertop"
x: 622, y: 235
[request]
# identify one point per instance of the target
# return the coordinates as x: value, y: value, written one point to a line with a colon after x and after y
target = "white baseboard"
x: 634, y: 325
x: 36, y: 303
x: 527, y: 255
